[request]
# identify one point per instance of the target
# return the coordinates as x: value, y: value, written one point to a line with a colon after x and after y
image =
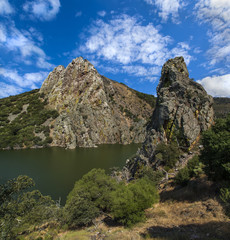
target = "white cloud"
x: 2, y: 33
x: 167, y: 8
x: 217, y: 86
x: 102, y: 13
x: 216, y: 13
x: 43, y: 10
x: 5, y: 7
x: 28, y: 80
x: 127, y: 41
x: 22, y: 43
x: 141, y: 71
x: 78, y: 14
x: 9, y: 90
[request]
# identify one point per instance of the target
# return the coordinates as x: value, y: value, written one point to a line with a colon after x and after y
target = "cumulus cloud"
x: 5, y: 7
x: 44, y: 10
x: 125, y: 40
x: 22, y: 44
x: 167, y: 8
x: 216, y: 13
x: 217, y: 86
x: 28, y: 80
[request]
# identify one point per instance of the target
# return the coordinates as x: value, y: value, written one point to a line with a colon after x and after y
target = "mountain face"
x: 183, y: 111
x: 92, y: 108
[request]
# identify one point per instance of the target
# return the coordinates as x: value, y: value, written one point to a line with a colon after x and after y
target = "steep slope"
x: 183, y: 111
x: 93, y: 109
x: 79, y: 108
x: 25, y: 121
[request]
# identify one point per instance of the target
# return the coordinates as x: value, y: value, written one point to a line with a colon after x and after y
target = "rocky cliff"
x: 183, y: 111
x: 92, y: 108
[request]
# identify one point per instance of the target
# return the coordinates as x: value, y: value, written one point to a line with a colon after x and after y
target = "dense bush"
x: 193, y: 169
x: 168, y: 153
x: 129, y: 202
x: 90, y: 196
x: 216, y: 151
x: 20, y: 209
x: 96, y: 193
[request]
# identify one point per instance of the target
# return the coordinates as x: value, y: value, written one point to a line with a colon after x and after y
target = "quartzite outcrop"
x: 182, y: 112
x: 92, y: 108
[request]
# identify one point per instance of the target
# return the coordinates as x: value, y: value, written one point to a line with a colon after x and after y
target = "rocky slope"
x: 183, y: 111
x: 93, y: 109
x: 75, y: 106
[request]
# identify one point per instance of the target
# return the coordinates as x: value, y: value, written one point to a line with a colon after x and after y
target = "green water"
x: 55, y: 170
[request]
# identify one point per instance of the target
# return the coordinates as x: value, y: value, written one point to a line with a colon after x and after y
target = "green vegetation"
x: 221, y: 107
x: 168, y: 154
x: 97, y: 193
x: 193, y: 169
x: 20, y: 209
x: 129, y: 202
x: 216, y: 156
x: 27, y: 113
x: 150, y: 99
x: 216, y: 152
x: 90, y: 196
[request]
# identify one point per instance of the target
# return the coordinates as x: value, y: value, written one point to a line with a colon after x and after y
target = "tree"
x: 90, y: 197
x: 20, y: 208
x: 216, y: 151
x: 129, y: 202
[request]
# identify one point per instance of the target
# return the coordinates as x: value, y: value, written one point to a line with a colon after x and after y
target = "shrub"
x: 183, y: 176
x: 129, y: 202
x: 216, y: 151
x: 20, y: 208
x: 193, y: 169
x: 169, y: 152
x: 92, y: 192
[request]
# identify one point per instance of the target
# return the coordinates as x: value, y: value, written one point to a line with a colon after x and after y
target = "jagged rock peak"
x: 183, y: 111
x: 78, y: 66
x: 92, y: 108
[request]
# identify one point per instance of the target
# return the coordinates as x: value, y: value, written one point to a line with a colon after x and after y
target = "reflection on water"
x: 55, y: 170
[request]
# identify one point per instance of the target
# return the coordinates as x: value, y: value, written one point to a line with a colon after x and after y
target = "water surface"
x: 55, y: 170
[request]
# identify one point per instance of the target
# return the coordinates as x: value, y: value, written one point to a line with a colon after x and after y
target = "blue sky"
x: 127, y: 41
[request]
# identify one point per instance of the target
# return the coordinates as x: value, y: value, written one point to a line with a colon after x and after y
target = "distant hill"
x: 221, y: 107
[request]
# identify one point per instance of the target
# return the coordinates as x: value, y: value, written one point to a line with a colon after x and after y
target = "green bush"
x: 92, y: 192
x: 20, y: 208
x: 183, y: 176
x: 193, y: 169
x: 216, y: 151
x: 169, y: 153
x: 225, y: 196
x: 129, y: 202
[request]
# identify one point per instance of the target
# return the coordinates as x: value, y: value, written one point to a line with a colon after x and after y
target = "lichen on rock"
x: 93, y: 109
x: 183, y: 111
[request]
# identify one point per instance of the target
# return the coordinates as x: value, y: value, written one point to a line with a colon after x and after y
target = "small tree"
x: 129, y: 202
x: 90, y: 196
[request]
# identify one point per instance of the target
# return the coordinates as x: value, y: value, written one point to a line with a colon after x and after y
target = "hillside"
x: 75, y: 106
x: 221, y: 107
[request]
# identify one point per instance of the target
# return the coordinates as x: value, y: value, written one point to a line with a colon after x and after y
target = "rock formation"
x: 92, y: 108
x: 183, y: 111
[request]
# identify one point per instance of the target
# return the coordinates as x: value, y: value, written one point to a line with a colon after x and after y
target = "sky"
x: 127, y: 41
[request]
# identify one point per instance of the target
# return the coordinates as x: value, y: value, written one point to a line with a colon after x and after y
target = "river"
x: 55, y: 170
